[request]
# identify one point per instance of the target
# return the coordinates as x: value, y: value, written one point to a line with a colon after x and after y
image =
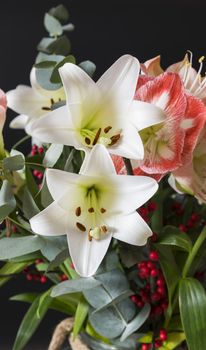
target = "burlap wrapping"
x: 61, y: 333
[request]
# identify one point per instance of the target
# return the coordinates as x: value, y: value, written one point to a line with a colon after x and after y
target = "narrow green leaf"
x: 192, y: 302
x: 45, y: 64
x: 10, y: 268
x: 172, y: 236
x: 52, y: 25
x: 45, y: 299
x: 29, y: 206
x: 52, y: 155
x: 29, y: 324
x: 80, y: 316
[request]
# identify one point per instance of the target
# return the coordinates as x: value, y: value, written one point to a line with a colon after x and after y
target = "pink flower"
x: 3, y: 107
x: 191, y: 178
x: 168, y: 145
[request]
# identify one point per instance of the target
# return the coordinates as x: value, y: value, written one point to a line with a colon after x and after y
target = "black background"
x: 104, y: 31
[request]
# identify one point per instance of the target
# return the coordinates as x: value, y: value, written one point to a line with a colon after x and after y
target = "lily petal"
x: 19, y: 122
x: 59, y: 181
x: 120, y: 79
x: 52, y: 221
x: 132, y: 229
x: 54, y: 127
x: 86, y: 255
x: 145, y: 114
x: 98, y: 163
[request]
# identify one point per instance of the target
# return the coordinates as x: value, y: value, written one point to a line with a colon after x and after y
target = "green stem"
x: 128, y: 166
x: 25, y: 138
x: 18, y: 224
x: 36, y: 164
x: 194, y: 252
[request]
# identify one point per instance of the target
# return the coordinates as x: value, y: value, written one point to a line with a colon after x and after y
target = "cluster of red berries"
x: 154, y: 290
x: 145, y: 211
x: 194, y: 219
x: 38, y: 174
x: 158, y: 341
x: 36, y: 277
x: 36, y: 150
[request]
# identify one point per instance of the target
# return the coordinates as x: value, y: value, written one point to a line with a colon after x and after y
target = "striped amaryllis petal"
x: 163, y: 143
x: 193, y: 122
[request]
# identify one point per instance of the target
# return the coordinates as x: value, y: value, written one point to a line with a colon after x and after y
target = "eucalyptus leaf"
x: 52, y: 154
x: 43, y: 76
x: 45, y: 57
x: 7, y: 200
x: 52, y: 246
x: 68, y: 27
x: 59, y: 259
x: 60, y: 46
x: 55, y: 77
x: 44, y: 44
x: 45, y: 64
x: 46, y: 198
x: 14, y: 163
x: 52, y: 25
x: 192, y: 302
x: 72, y: 286
x: 89, y: 67
x: 11, y: 247
x: 60, y: 12
x: 29, y: 206
x: 137, y: 322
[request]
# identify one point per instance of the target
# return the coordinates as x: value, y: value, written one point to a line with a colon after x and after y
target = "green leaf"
x: 60, y: 46
x: 10, y: 268
x: 72, y: 286
x: 60, y: 12
x: 46, y: 198
x: 55, y: 77
x: 31, y: 184
x: 44, y: 57
x: 29, y: 206
x: 80, y: 316
x: 45, y: 64
x: 45, y: 299
x: 52, y: 246
x: 172, y: 236
x: 192, y: 302
x: 43, y: 76
x: 14, y: 163
x: 170, y: 270
x: 44, y: 44
x: 7, y: 200
x: 52, y: 25
x: 52, y: 155
x: 12, y: 247
x: 137, y: 322
x: 59, y: 259
x: 173, y: 340
x: 30, y: 323
x: 89, y: 67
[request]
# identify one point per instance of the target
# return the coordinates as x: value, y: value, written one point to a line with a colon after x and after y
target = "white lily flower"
x: 102, y: 112
x: 31, y: 102
x: 94, y: 206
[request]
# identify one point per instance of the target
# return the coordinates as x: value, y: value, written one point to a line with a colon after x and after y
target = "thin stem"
x: 128, y: 166
x: 25, y: 138
x: 36, y: 164
x: 194, y: 252
x: 18, y: 224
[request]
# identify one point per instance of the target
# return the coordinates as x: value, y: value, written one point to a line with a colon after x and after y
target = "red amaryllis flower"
x: 169, y: 144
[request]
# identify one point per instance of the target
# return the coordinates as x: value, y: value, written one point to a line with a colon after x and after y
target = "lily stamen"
x: 78, y: 211
x: 80, y: 226
x: 91, y: 210
x: 107, y: 129
x: 97, y: 136
x: 103, y: 210
x: 114, y: 139
x: 87, y: 140
x: 46, y: 108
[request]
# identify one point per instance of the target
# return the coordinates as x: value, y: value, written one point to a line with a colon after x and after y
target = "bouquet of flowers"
x: 107, y: 209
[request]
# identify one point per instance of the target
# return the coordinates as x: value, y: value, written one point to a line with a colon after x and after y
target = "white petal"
x: 132, y: 229
x: 130, y: 144
x: 54, y: 127
x: 145, y: 114
x: 126, y: 193
x: 86, y: 255
x: 120, y: 79
x: 19, y: 122
x: 59, y: 182
x: 24, y: 100
x: 52, y: 221
x: 98, y: 163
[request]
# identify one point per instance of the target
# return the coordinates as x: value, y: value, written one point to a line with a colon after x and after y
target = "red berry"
x: 145, y: 347
x: 154, y: 272
x: 134, y: 298
x: 34, y: 147
x: 152, y: 206
x: 160, y: 282
x: 157, y: 343
x: 40, y: 175
x: 151, y: 265
x: 154, y: 255
x: 194, y: 217
x: 33, y: 153
x: 145, y: 296
x: 154, y: 237
x: 140, y: 304
x: 35, y: 173
x: 164, y: 305
x: 182, y: 228
x: 29, y: 277
x: 144, y: 272
x: 161, y: 291
x: 43, y: 279
x: 40, y: 150
x: 155, y: 296
x: 142, y: 264
x: 163, y: 334
x: 157, y: 310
